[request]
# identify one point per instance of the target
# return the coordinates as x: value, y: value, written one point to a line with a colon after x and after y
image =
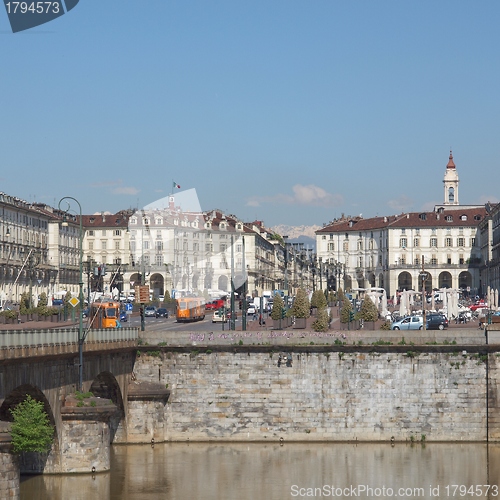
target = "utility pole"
x: 423, y: 276
x: 232, y: 323
x: 244, y: 288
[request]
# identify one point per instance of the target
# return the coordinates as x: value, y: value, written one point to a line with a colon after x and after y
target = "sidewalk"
x: 38, y: 325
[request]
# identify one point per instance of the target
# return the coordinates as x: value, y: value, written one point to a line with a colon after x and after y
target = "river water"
x: 258, y: 471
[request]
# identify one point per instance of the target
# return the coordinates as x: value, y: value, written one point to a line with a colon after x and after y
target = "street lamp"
x: 81, y: 338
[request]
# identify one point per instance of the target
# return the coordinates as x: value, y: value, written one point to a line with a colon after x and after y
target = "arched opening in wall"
x: 381, y: 280
x: 33, y: 462
x: 445, y: 280
x: 196, y: 280
x: 404, y: 281
x: 428, y: 284
x: 156, y: 284
x: 347, y: 283
x: 135, y: 280
x: 184, y: 282
x: 371, y: 279
x: 465, y: 283
x: 222, y: 283
x: 208, y: 281
x: 105, y: 386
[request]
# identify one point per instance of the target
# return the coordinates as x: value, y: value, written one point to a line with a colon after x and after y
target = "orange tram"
x: 190, y: 309
x: 104, y: 314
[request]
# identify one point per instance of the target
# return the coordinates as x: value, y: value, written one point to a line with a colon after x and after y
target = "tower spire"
x: 451, y: 163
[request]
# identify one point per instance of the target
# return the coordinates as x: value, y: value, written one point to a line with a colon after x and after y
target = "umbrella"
x: 496, y: 299
x: 403, y: 310
x: 433, y: 303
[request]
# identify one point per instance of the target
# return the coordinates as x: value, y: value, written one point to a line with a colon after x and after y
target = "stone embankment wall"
x: 329, y: 393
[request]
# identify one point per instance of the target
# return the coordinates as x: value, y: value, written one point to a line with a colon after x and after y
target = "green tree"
x: 369, y: 311
x: 277, y: 309
x: 24, y: 303
x: 346, y: 309
x: 31, y: 429
x: 301, y: 307
x: 43, y: 301
x: 320, y: 324
x: 318, y: 299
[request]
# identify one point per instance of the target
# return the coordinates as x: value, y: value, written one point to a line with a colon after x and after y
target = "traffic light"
x: 141, y: 311
x: 351, y: 316
x: 283, y: 312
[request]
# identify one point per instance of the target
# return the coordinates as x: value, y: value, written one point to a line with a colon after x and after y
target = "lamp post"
x: 81, y: 338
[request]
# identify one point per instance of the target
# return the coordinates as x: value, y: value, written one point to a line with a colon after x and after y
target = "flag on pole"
x: 176, y: 186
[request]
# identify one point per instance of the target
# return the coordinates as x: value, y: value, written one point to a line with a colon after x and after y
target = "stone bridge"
x: 44, y: 364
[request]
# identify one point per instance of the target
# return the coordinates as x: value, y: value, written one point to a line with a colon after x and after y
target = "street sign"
x: 128, y: 306
x: 142, y: 294
x: 424, y: 275
x: 74, y: 301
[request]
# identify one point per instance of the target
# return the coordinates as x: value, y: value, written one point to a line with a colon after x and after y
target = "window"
x: 473, y: 242
x: 461, y: 242
x: 346, y: 246
x: 434, y: 260
x: 416, y: 242
x: 239, y: 248
x: 91, y: 245
x: 451, y: 195
x: 103, y: 244
x: 159, y: 245
x: 331, y: 247
x: 434, y: 242
x: 360, y: 245
x: 403, y: 243
x: 323, y: 237
x: 448, y: 259
x: 104, y: 232
x: 91, y: 232
x: 117, y: 245
x: 196, y: 247
x: 118, y: 232
x: 208, y: 247
x: 461, y: 259
x: 422, y: 216
x: 159, y: 259
x: 372, y: 244
x: 331, y: 236
x: 223, y: 247
x: 145, y: 245
x: 463, y: 217
x: 449, y: 218
x: 417, y: 261
x: 403, y: 259
x: 360, y: 261
x: 403, y: 231
x: 448, y: 242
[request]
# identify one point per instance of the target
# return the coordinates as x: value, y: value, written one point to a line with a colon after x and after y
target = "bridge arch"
x: 106, y: 386
x: 33, y: 462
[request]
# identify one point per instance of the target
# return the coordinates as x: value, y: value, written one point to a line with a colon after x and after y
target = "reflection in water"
x: 181, y: 471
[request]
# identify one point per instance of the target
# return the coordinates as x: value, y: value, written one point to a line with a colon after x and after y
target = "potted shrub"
x: 301, y: 308
x: 277, y: 311
x: 321, y: 323
x: 369, y: 312
x: 318, y: 300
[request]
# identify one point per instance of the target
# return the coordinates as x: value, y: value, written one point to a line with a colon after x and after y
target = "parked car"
x: 251, y: 310
x: 409, y: 323
x: 123, y: 317
x: 150, y: 311
x: 161, y: 312
x: 436, y: 322
x: 218, y: 317
x: 85, y: 312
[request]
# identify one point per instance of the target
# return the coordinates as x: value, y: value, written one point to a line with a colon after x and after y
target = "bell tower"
x: 451, y: 181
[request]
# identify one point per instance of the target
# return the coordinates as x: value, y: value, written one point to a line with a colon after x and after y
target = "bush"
x: 369, y: 311
x: 320, y: 324
x: 318, y: 299
x: 386, y: 326
x: 9, y: 314
x: 346, y: 309
x: 31, y: 429
x: 277, y: 309
x: 43, y: 301
x: 301, y: 308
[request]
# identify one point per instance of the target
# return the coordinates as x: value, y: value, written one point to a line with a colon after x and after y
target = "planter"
x: 23, y: 317
x: 300, y: 323
x: 2, y: 320
x: 54, y: 318
x: 277, y: 324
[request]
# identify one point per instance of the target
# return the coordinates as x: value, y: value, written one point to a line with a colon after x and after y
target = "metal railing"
x: 63, y: 336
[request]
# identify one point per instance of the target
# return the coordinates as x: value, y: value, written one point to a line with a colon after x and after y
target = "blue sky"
x: 291, y: 112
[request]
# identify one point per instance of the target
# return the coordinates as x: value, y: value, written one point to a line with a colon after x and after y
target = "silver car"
x: 409, y: 323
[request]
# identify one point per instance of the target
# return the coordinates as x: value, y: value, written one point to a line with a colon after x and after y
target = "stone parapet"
x: 9, y: 466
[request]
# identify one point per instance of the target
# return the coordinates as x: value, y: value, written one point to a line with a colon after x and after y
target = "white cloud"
x: 309, y: 195
x: 401, y: 204
x: 125, y: 190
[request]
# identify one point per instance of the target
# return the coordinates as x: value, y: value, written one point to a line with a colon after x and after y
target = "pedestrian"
x: 279, y: 361
x: 260, y: 319
x: 289, y: 360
